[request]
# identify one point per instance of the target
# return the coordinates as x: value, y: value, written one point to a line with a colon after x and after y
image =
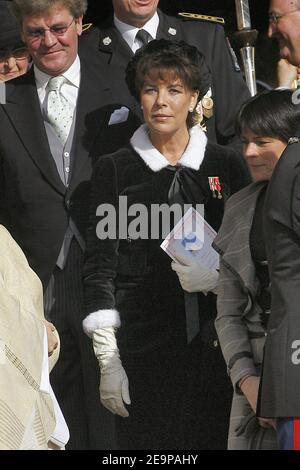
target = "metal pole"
x: 246, y: 38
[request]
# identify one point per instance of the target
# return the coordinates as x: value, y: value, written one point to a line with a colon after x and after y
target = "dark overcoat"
x: 281, y: 368
x: 180, y: 394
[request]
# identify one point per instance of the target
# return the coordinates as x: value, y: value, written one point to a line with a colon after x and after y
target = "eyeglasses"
x: 18, y: 53
x: 38, y: 33
x: 275, y: 17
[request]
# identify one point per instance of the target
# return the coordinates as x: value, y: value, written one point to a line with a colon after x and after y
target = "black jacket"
x: 135, y: 277
x: 34, y: 204
x: 280, y: 376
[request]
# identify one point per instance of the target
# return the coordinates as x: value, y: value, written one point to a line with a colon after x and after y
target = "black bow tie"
x: 185, y: 188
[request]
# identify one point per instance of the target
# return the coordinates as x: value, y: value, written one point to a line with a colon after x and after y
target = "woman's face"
x: 166, y: 103
x: 13, y: 62
x: 261, y: 154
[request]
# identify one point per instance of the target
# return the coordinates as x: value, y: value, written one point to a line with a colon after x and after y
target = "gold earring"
x: 198, y: 116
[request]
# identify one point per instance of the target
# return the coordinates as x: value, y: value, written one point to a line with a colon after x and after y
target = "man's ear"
x: 78, y: 23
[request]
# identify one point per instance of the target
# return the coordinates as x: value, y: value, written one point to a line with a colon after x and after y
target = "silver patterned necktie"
x: 59, y: 110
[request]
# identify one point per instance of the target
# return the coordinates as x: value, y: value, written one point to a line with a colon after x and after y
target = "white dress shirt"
x: 70, y: 88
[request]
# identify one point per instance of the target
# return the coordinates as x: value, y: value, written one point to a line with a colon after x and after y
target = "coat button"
x: 69, y: 203
x: 216, y: 343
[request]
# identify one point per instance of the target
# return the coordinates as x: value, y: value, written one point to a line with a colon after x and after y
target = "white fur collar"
x: 192, y: 157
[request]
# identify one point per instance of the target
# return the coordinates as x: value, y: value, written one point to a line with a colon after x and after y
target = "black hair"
x: 162, y: 56
x: 269, y: 114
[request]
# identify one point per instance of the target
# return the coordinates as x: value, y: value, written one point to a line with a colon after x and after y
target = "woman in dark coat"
x: 180, y: 393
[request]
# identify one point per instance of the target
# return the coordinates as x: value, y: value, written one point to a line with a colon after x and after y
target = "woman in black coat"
x: 180, y: 393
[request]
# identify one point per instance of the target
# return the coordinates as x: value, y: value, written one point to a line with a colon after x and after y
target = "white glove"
x: 193, y: 276
x: 114, y: 387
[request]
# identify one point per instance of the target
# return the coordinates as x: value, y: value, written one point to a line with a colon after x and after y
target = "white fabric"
x: 70, y: 88
x: 191, y: 158
x: 114, y: 387
x: 44, y: 383
x: 60, y: 435
x: 101, y: 319
x: 29, y: 440
x: 195, y: 277
x: 118, y: 116
x: 128, y: 32
x: 59, y: 110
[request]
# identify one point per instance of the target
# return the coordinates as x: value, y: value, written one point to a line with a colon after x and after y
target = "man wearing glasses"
x: 280, y: 385
x: 56, y: 120
x: 14, y: 56
x: 284, y: 26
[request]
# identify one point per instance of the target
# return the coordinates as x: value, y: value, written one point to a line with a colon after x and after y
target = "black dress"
x: 180, y: 393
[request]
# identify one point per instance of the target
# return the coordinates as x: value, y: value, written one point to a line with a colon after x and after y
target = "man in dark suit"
x: 116, y: 40
x: 279, y: 390
x: 56, y: 120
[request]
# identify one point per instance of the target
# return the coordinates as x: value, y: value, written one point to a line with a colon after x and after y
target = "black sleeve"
x: 4, y: 216
x: 229, y: 87
x: 101, y: 253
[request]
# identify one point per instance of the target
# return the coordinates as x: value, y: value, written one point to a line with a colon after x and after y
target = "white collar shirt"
x: 70, y: 87
x: 129, y: 32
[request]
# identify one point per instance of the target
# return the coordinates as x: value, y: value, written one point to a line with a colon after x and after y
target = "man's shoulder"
x: 103, y: 37
x: 25, y: 79
x: 17, y: 87
x: 190, y: 25
x: 289, y: 164
x: 224, y: 153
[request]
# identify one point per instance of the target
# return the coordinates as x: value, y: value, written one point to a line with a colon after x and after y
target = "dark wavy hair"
x: 162, y: 57
x: 269, y: 114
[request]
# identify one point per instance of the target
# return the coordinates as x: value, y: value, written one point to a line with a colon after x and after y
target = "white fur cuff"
x: 101, y: 319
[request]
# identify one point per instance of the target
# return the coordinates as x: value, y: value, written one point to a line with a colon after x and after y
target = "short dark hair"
x: 163, y: 56
x: 270, y: 114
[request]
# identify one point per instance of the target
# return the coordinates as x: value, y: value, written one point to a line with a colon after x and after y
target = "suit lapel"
x: 93, y: 98
x: 24, y: 112
x: 112, y: 44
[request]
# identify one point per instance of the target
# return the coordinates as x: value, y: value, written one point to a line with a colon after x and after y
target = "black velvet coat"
x: 180, y: 394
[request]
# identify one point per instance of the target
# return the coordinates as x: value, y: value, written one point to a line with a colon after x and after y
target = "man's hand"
x: 52, y: 339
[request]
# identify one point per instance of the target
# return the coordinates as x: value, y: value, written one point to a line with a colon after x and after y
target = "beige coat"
x: 23, y: 406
